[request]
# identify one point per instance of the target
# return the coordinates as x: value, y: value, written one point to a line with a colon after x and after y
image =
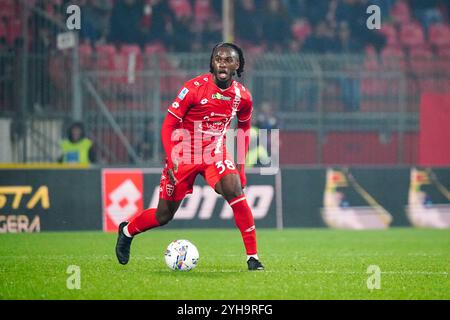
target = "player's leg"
x: 170, y: 198
x: 146, y: 220
x: 229, y: 186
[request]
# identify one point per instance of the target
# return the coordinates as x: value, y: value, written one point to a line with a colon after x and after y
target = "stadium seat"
x: 301, y: 29
x: 439, y: 35
x: 127, y: 63
x: 105, y: 56
x: 421, y: 60
x: 130, y: 49
x: 423, y: 65
x: 3, y: 31
x: 202, y: 11
x: 154, y: 48
x: 391, y: 34
x: 181, y: 8
x: 412, y: 35
x: 86, y: 54
x: 443, y: 55
x: 7, y: 8
x: 14, y: 31
x: 401, y: 12
x: 393, y: 58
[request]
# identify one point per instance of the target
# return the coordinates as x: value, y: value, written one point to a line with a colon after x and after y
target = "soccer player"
x: 203, y: 110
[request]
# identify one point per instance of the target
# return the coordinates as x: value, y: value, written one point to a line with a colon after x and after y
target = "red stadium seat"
x: 127, y: 63
x: 203, y: 11
x: 423, y: 65
x: 393, y: 58
x: 412, y: 35
x: 371, y: 86
x: 401, y: 12
x: 105, y: 56
x: 181, y: 8
x: 444, y: 59
x: 391, y: 34
x: 14, y: 30
x: 154, y: 48
x: 439, y: 35
x: 421, y: 60
x: 301, y: 29
x: 3, y: 31
x: 130, y: 49
x: 86, y: 54
x: 7, y: 8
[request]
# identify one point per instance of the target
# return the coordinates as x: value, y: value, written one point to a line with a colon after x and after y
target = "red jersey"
x: 206, y: 111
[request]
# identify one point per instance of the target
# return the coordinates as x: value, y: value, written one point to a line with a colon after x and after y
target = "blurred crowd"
x: 319, y: 26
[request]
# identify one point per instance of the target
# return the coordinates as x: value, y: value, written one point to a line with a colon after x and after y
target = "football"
x: 181, y: 255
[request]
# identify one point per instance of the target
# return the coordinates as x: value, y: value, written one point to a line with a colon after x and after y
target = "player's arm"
x: 243, y: 138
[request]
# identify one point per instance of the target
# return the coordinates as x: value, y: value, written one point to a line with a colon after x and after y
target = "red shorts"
x: 186, y: 175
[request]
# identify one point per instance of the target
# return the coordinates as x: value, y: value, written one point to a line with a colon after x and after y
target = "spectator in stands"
x: 346, y: 44
x: 77, y: 148
x: 427, y: 12
x: 125, y: 23
x: 181, y: 33
x: 157, y: 16
x: 275, y: 25
x: 248, y: 22
x: 95, y: 20
x: 146, y: 146
x: 353, y: 13
x: 322, y: 40
x: 316, y: 11
x: 267, y: 118
x: 349, y: 81
x: 257, y: 154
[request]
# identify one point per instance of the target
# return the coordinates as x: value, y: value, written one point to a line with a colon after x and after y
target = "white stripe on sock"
x: 236, y: 201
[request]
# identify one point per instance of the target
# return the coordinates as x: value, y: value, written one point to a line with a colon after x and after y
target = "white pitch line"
x: 323, y: 272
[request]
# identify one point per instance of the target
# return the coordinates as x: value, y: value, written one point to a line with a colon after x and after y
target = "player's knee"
x: 164, y: 216
x: 233, y: 193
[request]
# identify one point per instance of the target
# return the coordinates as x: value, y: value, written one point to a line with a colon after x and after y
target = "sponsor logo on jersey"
x: 204, y: 101
x: 197, y: 83
x: 183, y: 93
x: 175, y: 105
x: 219, y: 96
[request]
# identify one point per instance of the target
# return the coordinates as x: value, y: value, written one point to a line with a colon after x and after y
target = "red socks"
x: 143, y: 222
x: 245, y: 223
x: 242, y: 216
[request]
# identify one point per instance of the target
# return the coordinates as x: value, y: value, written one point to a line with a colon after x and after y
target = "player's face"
x: 225, y: 63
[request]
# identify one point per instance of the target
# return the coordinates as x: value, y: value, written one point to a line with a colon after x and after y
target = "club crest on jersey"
x: 219, y: 96
x: 169, y: 189
x: 183, y: 93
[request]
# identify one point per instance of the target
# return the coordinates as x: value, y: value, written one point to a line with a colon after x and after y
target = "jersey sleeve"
x: 183, y: 101
x: 245, y: 113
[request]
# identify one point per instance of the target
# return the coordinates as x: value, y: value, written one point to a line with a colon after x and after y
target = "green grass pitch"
x: 300, y: 264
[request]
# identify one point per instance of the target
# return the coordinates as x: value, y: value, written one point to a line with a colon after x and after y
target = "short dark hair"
x: 240, y: 70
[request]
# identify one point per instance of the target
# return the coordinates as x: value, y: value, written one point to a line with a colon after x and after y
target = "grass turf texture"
x: 300, y: 264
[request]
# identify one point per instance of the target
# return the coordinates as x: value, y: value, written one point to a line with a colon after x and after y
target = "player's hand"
x: 171, y: 172
x: 242, y: 175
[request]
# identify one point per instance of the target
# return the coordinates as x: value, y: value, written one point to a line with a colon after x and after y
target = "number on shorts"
x: 221, y: 166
